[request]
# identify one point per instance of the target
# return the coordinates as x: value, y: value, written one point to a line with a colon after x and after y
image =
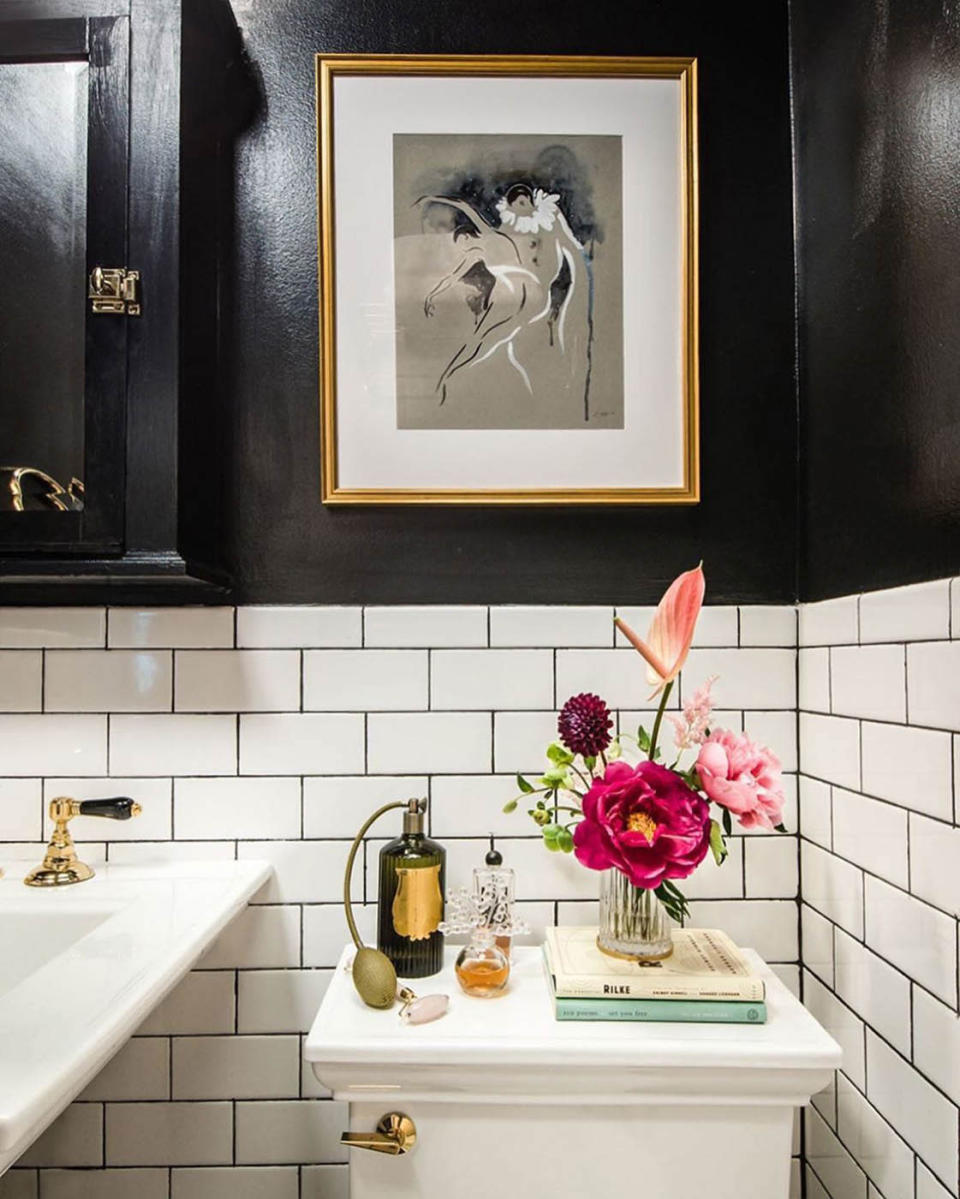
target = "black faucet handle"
x: 120, y: 807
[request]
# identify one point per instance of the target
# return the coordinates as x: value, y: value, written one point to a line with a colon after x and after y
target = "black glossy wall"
x: 877, y: 101
x: 279, y: 541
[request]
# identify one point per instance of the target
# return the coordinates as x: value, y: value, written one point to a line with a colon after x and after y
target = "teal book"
x: 684, y: 1011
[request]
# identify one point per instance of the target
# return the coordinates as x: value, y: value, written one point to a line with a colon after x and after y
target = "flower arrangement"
x: 651, y: 821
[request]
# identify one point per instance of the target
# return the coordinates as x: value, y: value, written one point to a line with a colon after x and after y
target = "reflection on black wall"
x: 283, y: 546
x: 877, y: 88
x: 43, y: 200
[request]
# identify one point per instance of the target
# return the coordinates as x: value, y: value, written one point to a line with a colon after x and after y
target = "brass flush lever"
x: 396, y: 1134
x: 61, y: 865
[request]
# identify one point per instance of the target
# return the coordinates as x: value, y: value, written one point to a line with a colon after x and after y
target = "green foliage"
x: 673, y: 900
x: 558, y: 777
x: 551, y: 837
x: 558, y: 754
x: 727, y: 822
x: 525, y: 787
x: 717, y: 844
x: 643, y: 739
x: 511, y: 805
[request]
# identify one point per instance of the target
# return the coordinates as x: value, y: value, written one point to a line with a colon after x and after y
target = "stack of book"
x: 705, y: 980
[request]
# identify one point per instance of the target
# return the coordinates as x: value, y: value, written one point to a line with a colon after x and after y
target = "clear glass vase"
x: 633, y: 922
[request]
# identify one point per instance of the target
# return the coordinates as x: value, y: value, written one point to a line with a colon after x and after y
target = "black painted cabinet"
x: 117, y: 119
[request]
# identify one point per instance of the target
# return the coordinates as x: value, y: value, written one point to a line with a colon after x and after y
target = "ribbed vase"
x: 633, y: 921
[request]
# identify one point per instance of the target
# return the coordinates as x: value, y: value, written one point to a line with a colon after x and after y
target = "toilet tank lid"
x: 513, y: 1044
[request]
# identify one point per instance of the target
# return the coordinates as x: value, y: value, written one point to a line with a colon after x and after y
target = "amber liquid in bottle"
x: 410, y: 907
x: 479, y: 978
x: 482, y: 969
x: 504, y: 944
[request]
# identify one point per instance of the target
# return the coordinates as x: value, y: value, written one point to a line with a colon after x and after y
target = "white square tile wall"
x: 880, y: 859
x: 273, y: 732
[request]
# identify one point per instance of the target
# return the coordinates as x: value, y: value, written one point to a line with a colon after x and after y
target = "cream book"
x: 705, y: 964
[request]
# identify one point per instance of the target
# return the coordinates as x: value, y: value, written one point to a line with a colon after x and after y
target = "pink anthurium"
x: 671, y: 630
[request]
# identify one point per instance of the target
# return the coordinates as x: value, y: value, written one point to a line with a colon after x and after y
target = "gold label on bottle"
x: 418, y: 903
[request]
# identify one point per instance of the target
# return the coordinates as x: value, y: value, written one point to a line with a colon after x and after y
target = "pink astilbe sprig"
x: 693, y: 726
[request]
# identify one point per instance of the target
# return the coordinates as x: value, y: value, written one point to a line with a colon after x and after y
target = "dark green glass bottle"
x: 412, y: 878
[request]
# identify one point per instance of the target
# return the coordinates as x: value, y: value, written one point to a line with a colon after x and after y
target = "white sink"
x: 30, y: 938
x: 82, y: 966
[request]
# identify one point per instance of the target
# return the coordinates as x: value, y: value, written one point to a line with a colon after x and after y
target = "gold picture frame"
x: 331, y: 67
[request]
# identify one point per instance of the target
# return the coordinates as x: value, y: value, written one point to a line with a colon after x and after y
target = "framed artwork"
x: 508, y: 279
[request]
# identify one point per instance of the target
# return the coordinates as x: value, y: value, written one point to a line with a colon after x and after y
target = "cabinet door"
x: 63, y: 211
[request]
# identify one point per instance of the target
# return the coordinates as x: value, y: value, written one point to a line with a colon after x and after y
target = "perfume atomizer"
x: 487, y: 914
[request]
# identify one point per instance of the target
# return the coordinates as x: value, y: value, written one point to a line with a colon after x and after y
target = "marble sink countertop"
x: 82, y: 966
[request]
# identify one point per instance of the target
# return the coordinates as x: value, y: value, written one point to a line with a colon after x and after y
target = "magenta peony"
x: 584, y: 725
x: 644, y: 821
x: 743, y: 777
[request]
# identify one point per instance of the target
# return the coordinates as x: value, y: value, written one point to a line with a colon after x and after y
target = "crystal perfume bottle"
x: 482, y: 968
x: 410, y: 907
x: 486, y: 913
x: 494, y: 886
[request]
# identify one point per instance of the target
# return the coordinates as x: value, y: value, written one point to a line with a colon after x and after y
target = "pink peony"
x: 644, y: 821
x: 742, y: 777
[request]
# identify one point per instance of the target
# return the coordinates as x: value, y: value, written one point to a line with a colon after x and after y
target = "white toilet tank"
x: 508, y: 1102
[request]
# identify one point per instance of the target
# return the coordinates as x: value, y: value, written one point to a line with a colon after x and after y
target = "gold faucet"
x: 60, y: 865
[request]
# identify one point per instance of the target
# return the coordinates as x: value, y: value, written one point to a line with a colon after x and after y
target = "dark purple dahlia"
x: 584, y: 725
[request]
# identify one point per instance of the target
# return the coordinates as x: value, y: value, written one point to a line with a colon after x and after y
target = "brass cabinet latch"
x: 64, y: 499
x: 114, y: 290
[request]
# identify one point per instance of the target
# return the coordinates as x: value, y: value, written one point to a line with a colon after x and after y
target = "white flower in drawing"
x: 544, y: 215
